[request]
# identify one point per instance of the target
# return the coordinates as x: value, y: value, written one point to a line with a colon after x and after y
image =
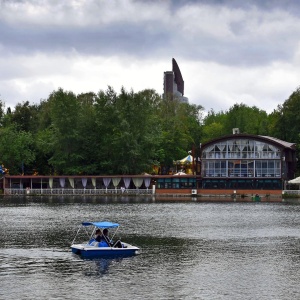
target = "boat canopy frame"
x: 101, y: 225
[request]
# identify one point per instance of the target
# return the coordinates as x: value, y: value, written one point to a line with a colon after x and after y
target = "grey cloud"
x: 136, y: 41
x: 266, y: 5
x: 152, y: 37
x: 108, y: 40
x: 240, y: 34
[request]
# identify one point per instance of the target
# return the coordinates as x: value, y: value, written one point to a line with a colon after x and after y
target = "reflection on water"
x: 189, y: 250
x: 100, y: 267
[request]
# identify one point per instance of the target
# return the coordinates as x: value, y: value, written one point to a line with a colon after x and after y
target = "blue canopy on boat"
x: 103, y: 224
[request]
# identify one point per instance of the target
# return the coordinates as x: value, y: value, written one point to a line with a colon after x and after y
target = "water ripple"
x: 189, y: 250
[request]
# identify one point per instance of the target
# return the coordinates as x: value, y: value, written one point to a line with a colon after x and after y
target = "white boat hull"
x: 91, y: 251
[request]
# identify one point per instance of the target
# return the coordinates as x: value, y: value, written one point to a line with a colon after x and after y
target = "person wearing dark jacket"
x: 98, y: 235
x: 110, y: 243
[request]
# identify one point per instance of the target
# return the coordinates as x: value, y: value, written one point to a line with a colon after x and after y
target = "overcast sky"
x: 228, y: 51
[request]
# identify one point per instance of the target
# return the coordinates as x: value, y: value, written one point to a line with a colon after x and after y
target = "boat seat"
x: 91, y: 241
x: 102, y: 244
x: 94, y: 243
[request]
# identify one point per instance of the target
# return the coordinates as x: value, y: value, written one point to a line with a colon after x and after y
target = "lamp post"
x: 199, y: 159
x: 283, y: 171
x: 193, y: 158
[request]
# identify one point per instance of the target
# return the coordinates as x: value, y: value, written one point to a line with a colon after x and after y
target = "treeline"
x: 125, y: 132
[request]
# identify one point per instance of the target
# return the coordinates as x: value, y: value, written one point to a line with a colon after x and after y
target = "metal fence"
x: 291, y: 192
x: 62, y: 191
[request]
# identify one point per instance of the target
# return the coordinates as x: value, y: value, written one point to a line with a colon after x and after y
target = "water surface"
x: 190, y: 250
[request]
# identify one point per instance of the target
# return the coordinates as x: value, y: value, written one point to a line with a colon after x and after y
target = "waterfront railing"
x: 295, y: 193
x: 62, y: 191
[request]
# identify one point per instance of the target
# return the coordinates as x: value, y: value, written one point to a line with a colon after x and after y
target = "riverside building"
x: 248, y: 162
x: 237, y: 164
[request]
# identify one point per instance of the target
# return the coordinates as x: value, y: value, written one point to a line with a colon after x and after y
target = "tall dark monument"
x: 174, y: 84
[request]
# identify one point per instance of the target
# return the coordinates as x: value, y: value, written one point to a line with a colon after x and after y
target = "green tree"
x: 285, y: 121
x: 16, y: 149
x: 181, y: 130
x: 249, y: 120
x: 25, y: 116
x: 45, y: 141
x: 64, y: 116
x: 87, y: 135
x: 286, y: 125
x: 214, y: 125
x: 212, y: 131
x: 127, y: 128
x: 2, y: 114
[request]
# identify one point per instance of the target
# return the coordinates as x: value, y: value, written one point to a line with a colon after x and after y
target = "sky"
x: 228, y: 51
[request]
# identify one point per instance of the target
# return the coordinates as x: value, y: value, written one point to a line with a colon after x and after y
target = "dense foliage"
x: 124, y: 133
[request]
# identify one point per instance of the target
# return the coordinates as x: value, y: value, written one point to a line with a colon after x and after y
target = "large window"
x: 241, y: 158
x: 215, y: 168
x: 241, y: 148
x: 267, y: 168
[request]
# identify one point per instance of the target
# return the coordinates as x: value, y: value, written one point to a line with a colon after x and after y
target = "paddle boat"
x: 106, y: 247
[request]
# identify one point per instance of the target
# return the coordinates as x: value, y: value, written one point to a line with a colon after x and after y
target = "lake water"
x: 190, y: 250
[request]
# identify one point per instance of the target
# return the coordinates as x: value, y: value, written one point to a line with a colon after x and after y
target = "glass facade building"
x: 248, y: 162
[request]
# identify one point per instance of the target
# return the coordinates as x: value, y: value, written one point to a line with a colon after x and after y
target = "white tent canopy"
x: 294, y: 181
x: 180, y: 173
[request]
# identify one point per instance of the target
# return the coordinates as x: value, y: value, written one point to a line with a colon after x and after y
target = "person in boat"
x: 110, y: 243
x: 98, y: 235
